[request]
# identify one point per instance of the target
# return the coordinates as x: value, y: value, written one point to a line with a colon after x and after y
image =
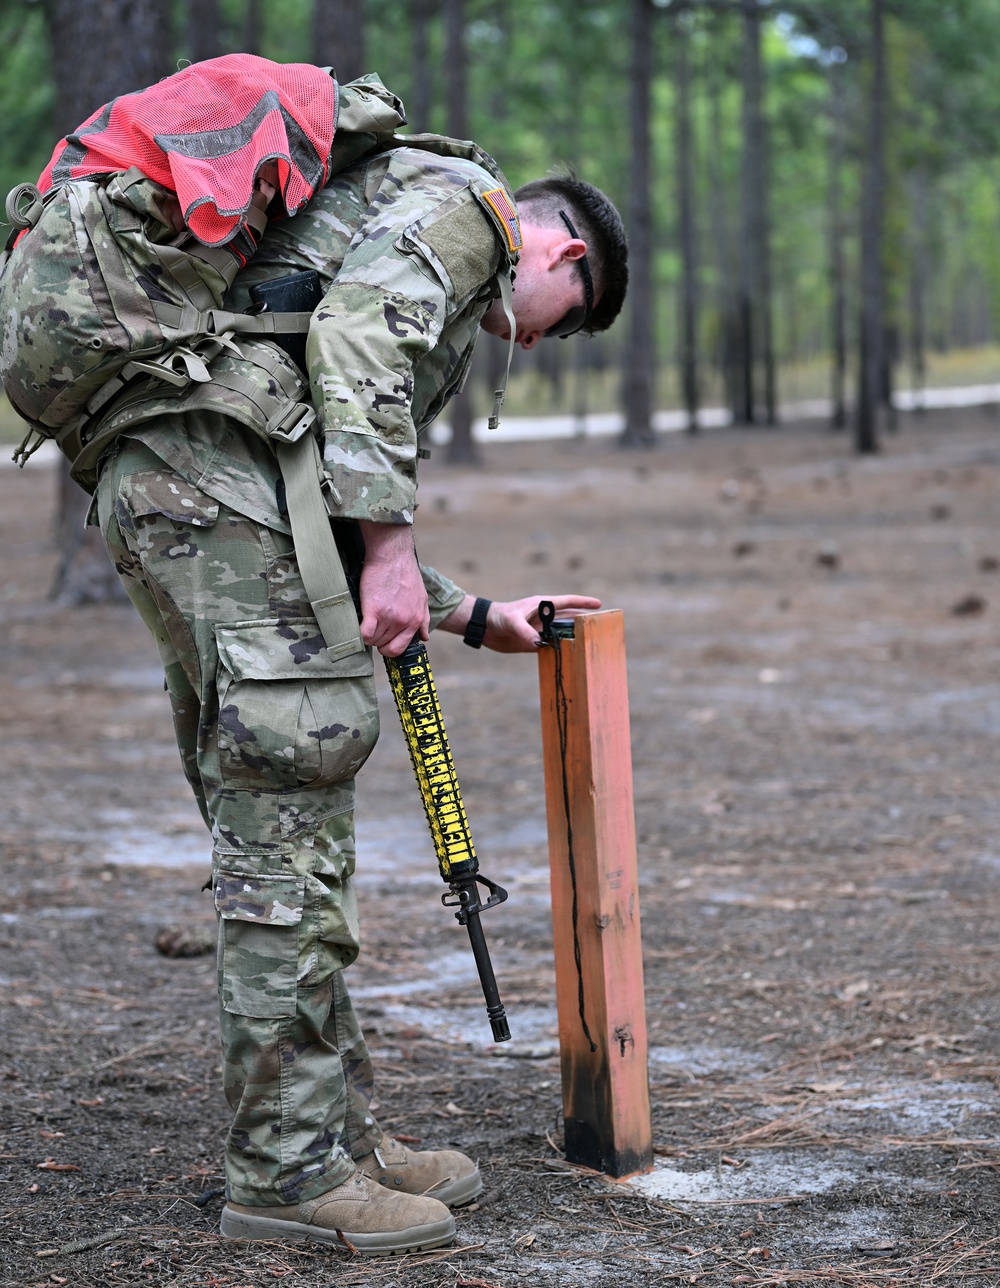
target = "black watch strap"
x: 475, y: 632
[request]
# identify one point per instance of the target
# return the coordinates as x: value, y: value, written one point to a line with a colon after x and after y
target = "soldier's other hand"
x: 512, y: 626
x: 265, y: 185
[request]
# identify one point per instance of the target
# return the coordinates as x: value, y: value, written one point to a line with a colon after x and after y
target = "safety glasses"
x: 578, y: 316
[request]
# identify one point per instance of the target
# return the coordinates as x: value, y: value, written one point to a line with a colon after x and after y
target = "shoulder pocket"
x: 459, y: 242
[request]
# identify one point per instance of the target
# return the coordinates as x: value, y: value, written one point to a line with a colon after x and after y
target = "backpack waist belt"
x: 274, y: 409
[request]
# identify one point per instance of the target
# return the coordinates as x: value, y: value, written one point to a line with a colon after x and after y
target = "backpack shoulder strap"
x: 320, y: 564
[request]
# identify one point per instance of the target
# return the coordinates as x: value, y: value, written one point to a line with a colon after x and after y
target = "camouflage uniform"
x: 271, y: 731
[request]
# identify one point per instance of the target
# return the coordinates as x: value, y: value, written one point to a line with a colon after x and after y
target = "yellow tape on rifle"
x: 423, y: 726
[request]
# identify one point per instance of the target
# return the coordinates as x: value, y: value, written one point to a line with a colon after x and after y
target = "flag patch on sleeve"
x: 498, y: 202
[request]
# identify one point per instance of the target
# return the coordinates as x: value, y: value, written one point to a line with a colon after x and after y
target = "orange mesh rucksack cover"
x: 205, y: 131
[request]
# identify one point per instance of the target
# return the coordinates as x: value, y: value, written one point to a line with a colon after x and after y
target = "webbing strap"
x: 186, y: 320
x: 257, y: 219
x: 507, y: 300
x: 260, y: 323
x: 178, y: 367
x: 320, y: 565
x: 180, y: 265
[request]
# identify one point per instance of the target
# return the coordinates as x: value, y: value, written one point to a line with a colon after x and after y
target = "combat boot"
x: 359, y: 1213
x: 443, y: 1174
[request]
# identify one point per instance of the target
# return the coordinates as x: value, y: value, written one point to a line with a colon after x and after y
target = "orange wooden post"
x: 595, y: 895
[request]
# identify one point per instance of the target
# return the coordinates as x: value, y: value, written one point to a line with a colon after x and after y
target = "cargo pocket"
x: 258, y: 942
x: 147, y: 496
x: 289, y: 716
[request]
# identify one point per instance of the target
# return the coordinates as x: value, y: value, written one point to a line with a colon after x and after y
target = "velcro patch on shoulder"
x: 464, y: 243
x: 506, y: 217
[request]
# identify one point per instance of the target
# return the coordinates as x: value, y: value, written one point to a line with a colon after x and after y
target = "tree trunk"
x: 84, y: 574
x: 887, y: 373
x: 745, y: 410
x: 766, y: 308
x: 339, y: 37
x: 423, y: 79
x: 462, y: 449
x: 204, y: 37
x: 756, y: 340
x: 581, y: 389
x: 866, y: 428
x: 100, y: 49
x: 638, y: 367
x: 253, y: 27
x: 919, y: 274
x: 573, y: 87
x: 456, y: 60
x: 837, y: 264
x: 726, y: 269
x: 688, y: 230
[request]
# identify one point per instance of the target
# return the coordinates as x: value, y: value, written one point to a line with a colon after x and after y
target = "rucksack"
x: 96, y: 287
x: 97, y: 294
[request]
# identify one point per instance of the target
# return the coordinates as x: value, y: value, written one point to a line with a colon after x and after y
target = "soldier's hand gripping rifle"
x: 420, y: 714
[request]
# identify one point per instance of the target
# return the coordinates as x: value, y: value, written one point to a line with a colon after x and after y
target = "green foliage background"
x: 549, y: 85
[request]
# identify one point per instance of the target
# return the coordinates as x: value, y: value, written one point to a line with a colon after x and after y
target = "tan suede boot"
x: 359, y: 1213
x: 443, y: 1174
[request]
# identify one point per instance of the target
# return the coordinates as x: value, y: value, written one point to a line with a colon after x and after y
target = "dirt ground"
x: 813, y: 654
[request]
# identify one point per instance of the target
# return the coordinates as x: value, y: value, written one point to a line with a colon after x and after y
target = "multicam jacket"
x: 408, y: 250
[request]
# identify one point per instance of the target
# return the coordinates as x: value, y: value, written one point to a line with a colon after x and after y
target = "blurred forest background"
x: 812, y: 190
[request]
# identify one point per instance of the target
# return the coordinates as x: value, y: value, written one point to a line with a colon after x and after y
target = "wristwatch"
x: 476, y: 630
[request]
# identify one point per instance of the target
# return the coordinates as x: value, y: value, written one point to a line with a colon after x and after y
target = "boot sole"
x: 240, y: 1225
x: 458, y: 1192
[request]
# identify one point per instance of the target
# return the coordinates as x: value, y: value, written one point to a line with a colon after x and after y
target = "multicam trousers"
x: 271, y: 734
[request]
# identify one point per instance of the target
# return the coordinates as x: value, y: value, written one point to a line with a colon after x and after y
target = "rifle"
x: 427, y: 739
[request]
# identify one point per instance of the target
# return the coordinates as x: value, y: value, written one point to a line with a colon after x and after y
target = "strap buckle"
x: 291, y: 423
x: 181, y: 366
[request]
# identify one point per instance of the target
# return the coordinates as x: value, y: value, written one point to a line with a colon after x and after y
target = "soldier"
x: 409, y: 245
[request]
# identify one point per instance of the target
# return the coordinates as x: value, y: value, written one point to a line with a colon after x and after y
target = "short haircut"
x: 598, y: 223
